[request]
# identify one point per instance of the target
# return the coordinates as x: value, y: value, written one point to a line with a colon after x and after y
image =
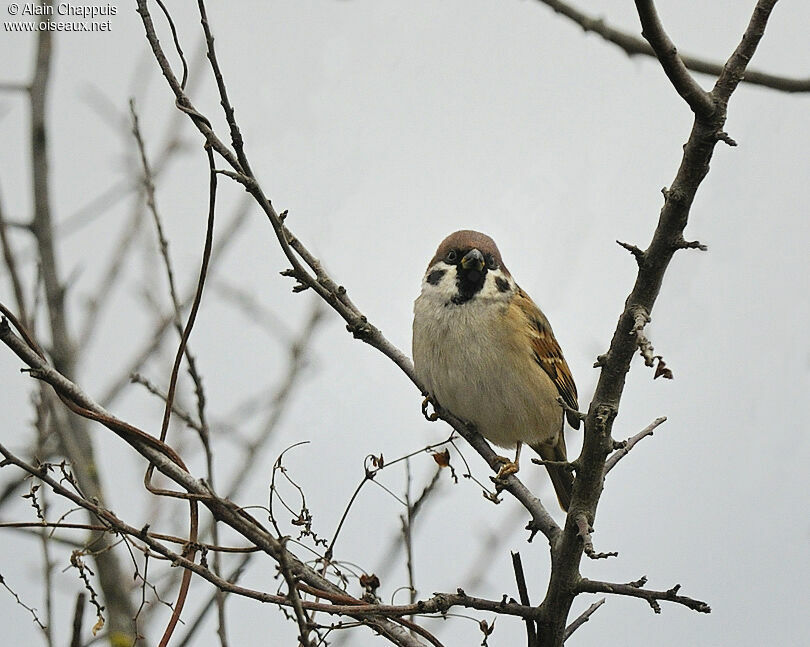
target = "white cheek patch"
x: 440, y: 282
x: 497, y: 286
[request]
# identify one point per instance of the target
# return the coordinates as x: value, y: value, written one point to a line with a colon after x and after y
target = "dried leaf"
x: 99, y: 625
x: 487, y: 630
x: 442, y: 458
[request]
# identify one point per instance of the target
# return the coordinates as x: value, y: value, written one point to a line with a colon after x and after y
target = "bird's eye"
x: 492, y: 264
x: 452, y: 256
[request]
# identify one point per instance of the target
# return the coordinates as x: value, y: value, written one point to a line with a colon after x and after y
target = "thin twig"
x: 407, y: 535
x: 652, y: 597
x: 17, y: 599
x: 582, y: 618
x: 625, y: 446
x: 633, y: 46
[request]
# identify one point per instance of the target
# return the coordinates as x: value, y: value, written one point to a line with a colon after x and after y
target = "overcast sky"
x: 383, y: 126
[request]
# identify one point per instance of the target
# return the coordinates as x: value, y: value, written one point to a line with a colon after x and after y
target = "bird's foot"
x: 430, y: 417
x: 508, y: 467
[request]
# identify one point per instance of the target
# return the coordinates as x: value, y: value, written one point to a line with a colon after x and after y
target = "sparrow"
x: 485, y: 352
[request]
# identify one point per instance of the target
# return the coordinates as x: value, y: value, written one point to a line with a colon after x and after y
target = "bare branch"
x: 634, y: 46
x: 635, y: 590
x: 625, y: 446
x: 167, y: 462
x: 700, y: 101
x: 735, y: 67
x: 523, y: 595
x: 635, y: 251
x: 17, y: 599
x: 74, y: 436
x: 582, y: 618
x: 615, y: 364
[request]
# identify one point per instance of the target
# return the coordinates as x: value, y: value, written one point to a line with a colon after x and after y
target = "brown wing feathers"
x: 548, y: 354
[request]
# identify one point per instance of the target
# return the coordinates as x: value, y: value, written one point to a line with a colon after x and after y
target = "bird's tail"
x: 561, y: 478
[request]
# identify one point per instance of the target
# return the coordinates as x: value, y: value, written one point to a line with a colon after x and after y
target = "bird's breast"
x: 471, y: 359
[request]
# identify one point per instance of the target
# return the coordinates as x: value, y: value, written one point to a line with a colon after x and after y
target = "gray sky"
x: 383, y: 126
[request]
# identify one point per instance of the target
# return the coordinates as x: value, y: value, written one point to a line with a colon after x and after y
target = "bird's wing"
x: 548, y: 354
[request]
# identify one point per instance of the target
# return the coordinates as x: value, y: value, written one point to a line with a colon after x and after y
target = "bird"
x: 485, y: 352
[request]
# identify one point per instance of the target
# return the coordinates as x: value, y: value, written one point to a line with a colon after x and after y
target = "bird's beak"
x: 473, y: 260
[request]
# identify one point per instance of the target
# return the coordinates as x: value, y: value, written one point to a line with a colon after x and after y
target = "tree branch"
x: 635, y: 590
x: 598, y: 442
x: 699, y: 100
x: 635, y: 46
x: 625, y: 446
x: 582, y: 618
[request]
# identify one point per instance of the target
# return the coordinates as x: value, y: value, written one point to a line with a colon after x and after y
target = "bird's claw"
x: 430, y: 417
x: 508, y: 467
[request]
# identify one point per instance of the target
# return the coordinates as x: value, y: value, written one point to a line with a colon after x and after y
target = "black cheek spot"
x: 435, y: 276
x: 502, y: 284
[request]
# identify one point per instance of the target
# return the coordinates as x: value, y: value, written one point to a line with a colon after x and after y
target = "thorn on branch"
x: 300, y: 286
x: 638, y: 254
x: 601, y: 360
x: 584, y: 531
x: 639, y: 583
x: 533, y: 529
x: 724, y: 137
x: 690, y: 244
